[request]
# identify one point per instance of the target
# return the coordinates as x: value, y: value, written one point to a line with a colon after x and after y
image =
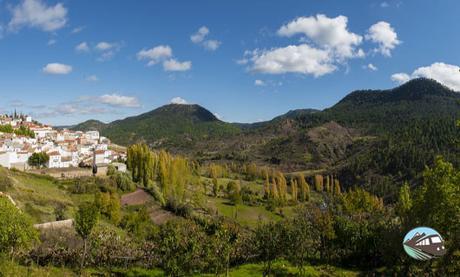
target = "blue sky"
x: 66, y: 61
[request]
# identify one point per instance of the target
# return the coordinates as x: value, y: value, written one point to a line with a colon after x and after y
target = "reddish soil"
x: 138, y: 197
x: 157, y: 214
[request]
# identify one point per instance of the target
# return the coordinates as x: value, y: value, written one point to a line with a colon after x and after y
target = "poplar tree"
x: 319, y: 183
x: 337, y: 190
x: 294, y: 190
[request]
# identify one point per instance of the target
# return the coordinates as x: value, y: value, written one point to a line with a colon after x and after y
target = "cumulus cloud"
x: 57, y: 69
x: 174, y: 65
x: 103, y: 45
x: 92, y: 78
x: 446, y: 74
x: 385, y: 36
x: 82, y: 47
x: 179, y: 100
x: 77, y: 30
x: 200, y: 36
x: 302, y: 59
x: 326, y: 43
x: 326, y: 33
x: 117, y: 100
x: 218, y: 116
x: 211, y: 44
x: 259, y: 83
x: 37, y: 14
x: 400, y: 77
x: 371, y: 67
x: 155, y: 54
x: 107, y: 49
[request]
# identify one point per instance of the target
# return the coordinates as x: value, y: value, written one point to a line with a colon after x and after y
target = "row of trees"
x: 166, y: 175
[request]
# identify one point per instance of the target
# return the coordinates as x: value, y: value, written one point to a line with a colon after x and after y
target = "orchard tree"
x: 16, y: 230
x: 85, y: 220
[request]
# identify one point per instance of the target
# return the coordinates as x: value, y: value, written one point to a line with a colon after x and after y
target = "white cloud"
x: 103, y: 45
x: 117, y: 100
x: 385, y: 36
x: 242, y: 61
x: 199, y: 35
x: 57, y: 68
x: 174, y: 65
x: 77, y: 30
x: 327, y: 43
x: 199, y: 38
x: 259, y: 83
x: 92, y: 78
x: 35, y: 13
x: 108, y: 50
x: 327, y: 33
x: 371, y: 67
x: 302, y: 59
x: 400, y: 77
x: 446, y: 74
x: 179, y: 100
x: 155, y: 54
x: 82, y: 47
x: 384, y: 4
x: 218, y: 116
x: 211, y: 44
x: 52, y: 42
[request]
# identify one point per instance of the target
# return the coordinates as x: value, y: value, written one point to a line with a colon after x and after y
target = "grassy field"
x: 37, y: 195
x: 280, y: 268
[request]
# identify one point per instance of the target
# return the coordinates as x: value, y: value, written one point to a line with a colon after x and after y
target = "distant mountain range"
x: 305, y: 138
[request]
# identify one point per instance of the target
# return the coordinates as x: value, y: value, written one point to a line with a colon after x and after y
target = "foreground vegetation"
x: 301, y: 226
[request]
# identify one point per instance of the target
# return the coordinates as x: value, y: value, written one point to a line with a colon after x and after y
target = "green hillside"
x: 171, y: 126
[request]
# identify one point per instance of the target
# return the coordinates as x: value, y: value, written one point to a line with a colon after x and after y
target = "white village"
x: 21, y: 137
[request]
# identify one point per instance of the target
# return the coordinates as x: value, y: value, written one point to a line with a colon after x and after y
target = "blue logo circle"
x: 424, y: 243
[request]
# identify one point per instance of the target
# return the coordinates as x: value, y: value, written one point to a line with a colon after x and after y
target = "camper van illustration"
x: 424, y: 243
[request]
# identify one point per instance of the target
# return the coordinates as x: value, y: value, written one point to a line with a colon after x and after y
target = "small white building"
x: 55, y: 159
x: 92, y: 135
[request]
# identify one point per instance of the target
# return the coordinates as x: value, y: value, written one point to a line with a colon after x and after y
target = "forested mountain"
x: 89, y: 125
x: 376, y: 137
x: 170, y: 126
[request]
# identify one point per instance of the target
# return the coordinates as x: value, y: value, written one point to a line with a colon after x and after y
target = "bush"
x: 5, y: 182
x: 60, y: 247
x: 123, y: 181
x: 16, y: 230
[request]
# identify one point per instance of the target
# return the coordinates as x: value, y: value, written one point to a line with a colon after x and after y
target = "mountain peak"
x: 193, y: 112
x: 413, y: 90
